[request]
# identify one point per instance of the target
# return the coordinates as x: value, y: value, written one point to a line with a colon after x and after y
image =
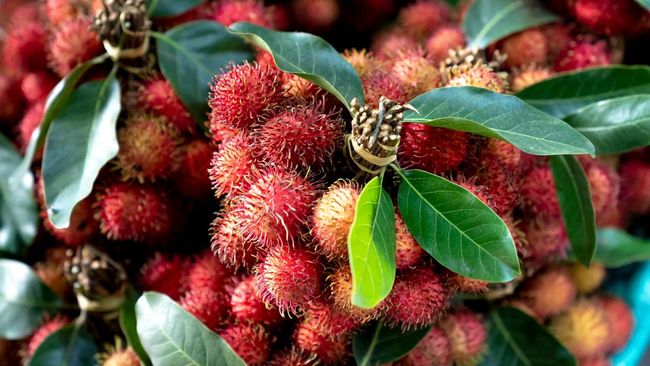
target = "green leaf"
x: 18, y: 211
x: 191, y: 54
x: 168, y: 8
x: 128, y: 324
x: 379, y: 344
x: 615, y: 125
x: 644, y: 3
x: 371, y: 246
x: 500, y: 116
x: 488, y: 21
x: 577, y: 208
x: 564, y: 94
x: 81, y: 140
x: 307, y: 56
x: 456, y: 228
x: 68, y: 346
x: 24, y: 300
x: 616, y: 248
x: 171, y: 336
x: 516, y: 339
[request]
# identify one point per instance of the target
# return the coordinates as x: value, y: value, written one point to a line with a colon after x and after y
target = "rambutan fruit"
x: 228, y: 243
x: 538, y: 194
x: 61, y: 11
x: 635, y: 180
x: 251, y: 342
x: 479, y: 75
x: 209, y: 307
x: 301, y: 136
x: 417, y: 300
x: 190, y: 177
x: 241, y: 94
x: 620, y: 319
x: 276, y: 207
x: 73, y: 43
x: 121, y: 357
x: 264, y: 58
x: 207, y: 273
x: 301, y: 89
x: 587, y: 279
x: 157, y: 96
x: 332, y: 218
x: 408, y: 252
x: 23, y: 13
x: 51, y: 274
x: 467, y: 336
x: 381, y: 83
x: 341, y: 292
x: 149, y: 148
x: 583, y: 329
x: 362, y: 61
x: 12, y: 102
x: 458, y: 283
x: 165, y: 274
x: 612, y: 17
x: 436, y: 150
x: 315, y: 15
x: 46, y: 329
x: 83, y: 225
x: 328, y: 318
x: 30, y: 121
x: 433, y: 350
x: 247, y: 306
x: 293, y: 357
x: 228, y: 12
x: 545, y: 240
x: 390, y: 43
x: 423, y: 17
x: 595, y: 361
x: 289, y: 278
x: 415, y: 71
x: 330, y: 350
x: 232, y: 166
x: 581, y: 55
x: 37, y: 85
x: 558, y: 36
x: 549, y: 292
x: 446, y: 38
x: 527, y: 47
x: 24, y: 47
x: 528, y: 75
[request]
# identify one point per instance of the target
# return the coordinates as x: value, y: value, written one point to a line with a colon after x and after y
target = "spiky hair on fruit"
x: 301, y: 136
x: 527, y: 75
x: 417, y: 300
x: 635, y: 180
x: 364, y: 62
x: 229, y: 244
x: 538, y: 194
x: 587, y: 279
x: 300, y: 89
x: 228, y: 12
x: 526, y: 47
x: 328, y: 318
x: 190, y: 177
x: 119, y: 356
x: 83, y: 225
x: 149, y: 148
x: 583, y: 329
x: 207, y: 273
x: 389, y: 43
x: 408, y: 253
x: 382, y: 83
x: 612, y: 17
x: 48, y: 327
x: 582, y: 54
x: 209, y: 307
x: 293, y: 357
x: 329, y: 350
x: 25, y: 47
x: 459, y: 283
x: 467, y: 336
x: 73, y: 43
x: 433, y: 350
x: 289, y: 278
x: 241, y: 94
x: 480, y: 75
x: 340, y: 282
x: 548, y: 292
x: 543, y: 241
x: 621, y: 321
x: 247, y: 306
x: 156, y: 95
x: 423, y: 17
x: 165, y: 274
x: 232, y: 166
x: 605, y: 187
x: 436, y: 150
x: 445, y: 38
x: 37, y: 85
x: 251, y: 342
x: 414, y: 70
x: 61, y: 11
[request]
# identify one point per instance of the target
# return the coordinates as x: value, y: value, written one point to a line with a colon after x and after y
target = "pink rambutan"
x: 293, y: 357
x: 207, y: 306
x: 24, y: 13
x: 612, y: 17
x: 43, y: 332
x: 467, y: 337
x: 330, y: 350
x: 157, y: 96
x: 165, y: 274
x: 446, y: 38
x: 423, y: 17
x: 328, y: 318
x: 583, y: 329
x: 418, y: 299
x: 583, y: 54
x: 408, y: 251
x: 527, y: 76
x: 11, y: 105
x: 458, y: 283
x: 340, y: 282
x: 436, y: 150
x: 228, y: 12
x: 37, y: 85
x: 73, y: 43
x: 538, y: 194
x: 30, y: 121
x: 558, y: 36
x: 389, y: 44
x: 301, y: 136
x: 83, y: 225
x: 523, y: 48
x: 228, y: 243
x: 289, y: 278
x: 247, y: 306
x: 620, y: 319
x: 595, y: 361
x: 251, y: 342
x: 433, y: 350
x: 241, y: 94
x: 207, y: 273
x: 61, y: 11
x: 190, y: 177
x: 549, y: 292
x: 605, y: 187
x: 544, y: 241
x: 315, y: 15
x: 381, y: 83
x: 24, y: 47
x: 413, y: 70
x: 149, y: 148
x: 232, y: 166
x: 635, y: 180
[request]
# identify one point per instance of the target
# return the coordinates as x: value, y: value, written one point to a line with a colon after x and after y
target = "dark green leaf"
x: 516, y: 339
x: 307, y: 56
x: 615, y: 125
x: 168, y: 8
x: 18, y: 211
x: 24, y: 300
x: 564, y: 94
x: 456, y: 228
x: 616, y: 248
x: 379, y: 344
x: 505, y: 117
x: 644, y: 3
x: 488, y: 21
x: 68, y: 346
x: 577, y: 208
x: 371, y: 246
x: 171, y: 336
x: 128, y: 324
x: 191, y: 54
x: 81, y: 140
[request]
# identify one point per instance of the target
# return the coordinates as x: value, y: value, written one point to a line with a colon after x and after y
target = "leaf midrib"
x: 493, y: 22
x: 506, y: 335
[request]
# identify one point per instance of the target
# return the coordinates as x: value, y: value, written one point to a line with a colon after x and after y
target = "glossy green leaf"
x: 516, y: 339
x: 456, y: 228
x: 564, y: 94
x: 71, y: 345
x: 81, y: 140
x: 500, y: 116
x: 371, y: 246
x: 168, y: 8
x: 24, y: 300
x: 616, y: 248
x: 577, y: 208
x: 128, y: 324
x: 18, y: 211
x: 307, y: 56
x: 379, y: 344
x: 488, y: 21
x: 615, y: 125
x: 171, y: 336
x: 644, y: 3
x: 191, y: 54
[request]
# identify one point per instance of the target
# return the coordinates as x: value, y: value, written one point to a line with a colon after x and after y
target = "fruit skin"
x: 433, y: 350
x: 418, y: 299
x: 289, y: 278
x: 12, y: 103
x: 25, y: 47
x: 408, y: 252
x: 382, y: 83
x: 247, y: 306
x: 549, y: 292
x: 251, y: 342
x: 340, y: 282
x: 527, y: 47
x: 330, y: 350
x: 635, y: 180
x: 543, y: 241
x: 207, y: 273
x: 190, y: 177
x: 528, y: 75
x: 467, y: 335
x: 157, y: 96
x: 165, y: 274
x: 589, y: 279
x: 388, y: 44
x: 415, y: 71
x: 241, y: 94
x: 446, y: 38
x: 315, y: 15
x: 47, y: 328
x: 462, y: 284
x: 423, y: 17
x: 73, y: 43
x: 232, y: 167
x: 227, y: 243
x: 538, y: 194
x: 328, y: 318
x: 605, y: 186
x: 620, y: 319
x: 207, y: 306
x: 30, y: 121
x: 37, y: 85
x: 228, y: 12
x: 436, y: 150
x: 126, y: 357
x: 612, y: 17
x: 583, y: 329
x: 583, y: 54
x: 293, y: 357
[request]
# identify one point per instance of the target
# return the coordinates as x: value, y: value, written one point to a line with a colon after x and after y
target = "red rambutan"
x: 328, y: 318
x: 467, y: 337
x: 251, y: 342
x: 315, y: 15
x: 43, y: 332
x: 24, y: 47
x: 446, y: 38
x: 544, y: 241
x: 73, y: 43
x: 416, y: 72
x: 363, y: 62
x: 121, y: 357
x: 436, y: 150
x: 620, y: 319
x: 381, y: 83
x: 433, y: 350
x: 228, y: 12
x: 583, y: 54
x: 635, y: 180
x: 605, y: 186
x: 228, y: 243
x: 37, y: 85
x: 408, y: 251
x: 330, y: 350
x: 612, y: 17
x: 558, y: 36
x: 61, y: 11
x: 595, y: 361
x: 583, y: 329
x: 25, y: 13
x: 232, y: 167
x: 207, y: 306
x: 247, y: 306
x: 587, y: 279
x: 548, y: 293
x: 83, y: 225
x: 389, y: 44
x: 157, y: 96
x: 11, y: 105
x: 30, y: 121
x: 423, y: 17
x: 527, y: 76
x: 341, y: 292
x: 165, y: 274
x: 293, y: 357
x: 207, y: 273
x: 527, y: 47
x: 190, y: 176
x: 538, y: 194
x: 458, y: 283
